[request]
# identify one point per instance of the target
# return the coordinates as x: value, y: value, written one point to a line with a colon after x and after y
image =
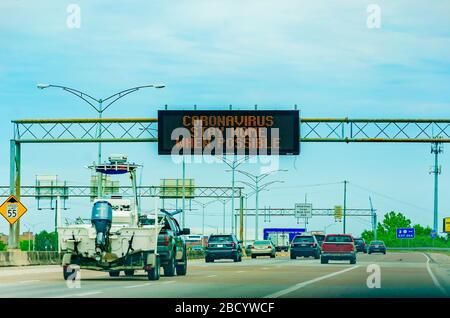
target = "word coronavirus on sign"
x: 258, y: 132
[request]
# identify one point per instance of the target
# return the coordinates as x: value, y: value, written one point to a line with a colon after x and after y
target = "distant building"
x: 25, y: 236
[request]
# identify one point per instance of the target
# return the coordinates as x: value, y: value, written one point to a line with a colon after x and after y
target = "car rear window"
x: 298, y: 239
x: 224, y: 238
x: 338, y: 239
x: 262, y: 243
x: 359, y: 241
x: 376, y: 242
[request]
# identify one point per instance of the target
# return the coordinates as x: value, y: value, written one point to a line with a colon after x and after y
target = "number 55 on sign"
x: 12, y: 209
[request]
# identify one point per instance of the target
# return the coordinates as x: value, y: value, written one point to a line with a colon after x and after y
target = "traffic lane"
x: 252, y: 278
x: 401, y: 275
x: 226, y: 280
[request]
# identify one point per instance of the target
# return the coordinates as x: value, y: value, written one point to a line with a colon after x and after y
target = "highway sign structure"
x: 406, y: 233
x: 446, y: 225
x: 217, y: 132
x: 12, y: 210
x: 303, y: 210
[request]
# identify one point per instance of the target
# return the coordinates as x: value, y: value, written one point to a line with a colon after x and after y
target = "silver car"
x: 263, y: 248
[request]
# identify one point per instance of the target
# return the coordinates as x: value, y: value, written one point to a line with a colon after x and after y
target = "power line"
x: 389, y: 197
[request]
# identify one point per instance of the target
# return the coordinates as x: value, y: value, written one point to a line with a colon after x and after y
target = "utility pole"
x: 345, y: 205
x: 436, y: 149
x: 183, y: 214
x: 374, y: 220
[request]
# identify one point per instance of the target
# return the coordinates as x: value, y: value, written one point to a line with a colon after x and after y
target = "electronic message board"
x: 216, y: 132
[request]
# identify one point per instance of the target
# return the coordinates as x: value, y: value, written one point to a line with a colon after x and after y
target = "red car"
x: 338, y: 247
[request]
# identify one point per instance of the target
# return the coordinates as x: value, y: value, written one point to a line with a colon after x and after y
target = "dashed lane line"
x: 309, y: 282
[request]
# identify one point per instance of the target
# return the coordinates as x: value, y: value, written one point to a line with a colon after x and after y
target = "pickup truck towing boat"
x: 118, y: 237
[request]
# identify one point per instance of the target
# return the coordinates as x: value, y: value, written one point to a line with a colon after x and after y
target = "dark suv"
x: 360, y: 245
x: 305, y: 245
x: 223, y: 247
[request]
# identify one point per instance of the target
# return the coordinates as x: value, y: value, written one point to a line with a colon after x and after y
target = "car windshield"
x: 338, y: 239
x: 223, y: 238
x: 299, y: 239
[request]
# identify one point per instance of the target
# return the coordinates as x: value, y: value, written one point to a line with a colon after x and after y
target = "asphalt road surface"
x: 400, y: 275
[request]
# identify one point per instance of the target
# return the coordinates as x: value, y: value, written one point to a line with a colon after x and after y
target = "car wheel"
x: 169, y: 269
x: 353, y: 261
x: 129, y: 272
x: 293, y: 256
x: 236, y: 258
x: 272, y: 256
x: 317, y: 256
x: 155, y: 272
x: 370, y: 253
x: 384, y: 253
x: 323, y: 260
x: 182, y: 268
x: 114, y: 273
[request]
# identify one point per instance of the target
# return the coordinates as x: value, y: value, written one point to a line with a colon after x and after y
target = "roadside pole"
x: 345, y: 206
x: 241, y: 218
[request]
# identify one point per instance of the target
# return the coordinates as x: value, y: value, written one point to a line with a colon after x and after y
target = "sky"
x: 319, y: 55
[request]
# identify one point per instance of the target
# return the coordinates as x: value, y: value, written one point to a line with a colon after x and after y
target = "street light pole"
x: 97, y: 104
x: 257, y: 188
x: 233, y: 166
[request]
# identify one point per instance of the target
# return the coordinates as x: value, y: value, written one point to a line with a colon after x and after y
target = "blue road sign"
x: 405, y: 233
x: 433, y: 234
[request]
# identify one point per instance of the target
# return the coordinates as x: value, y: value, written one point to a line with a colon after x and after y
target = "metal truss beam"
x: 315, y: 212
x: 125, y: 191
x: 311, y: 130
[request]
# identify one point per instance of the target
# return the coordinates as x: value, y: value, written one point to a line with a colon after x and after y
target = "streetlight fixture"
x: 233, y: 164
x: 204, y: 205
x: 98, y: 105
x: 257, y: 187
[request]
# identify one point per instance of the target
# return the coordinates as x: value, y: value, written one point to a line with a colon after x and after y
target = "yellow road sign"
x: 12, y: 209
x: 447, y: 225
x: 338, y: 212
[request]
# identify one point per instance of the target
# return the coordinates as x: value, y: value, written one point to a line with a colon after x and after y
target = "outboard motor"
x: 101, y: 219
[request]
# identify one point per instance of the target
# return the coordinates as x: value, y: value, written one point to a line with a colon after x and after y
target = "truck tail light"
x: 270, y: 246
x: 251, y: 246
x: 166, y: 240
x: 314, y: 245
x: 233, y: 245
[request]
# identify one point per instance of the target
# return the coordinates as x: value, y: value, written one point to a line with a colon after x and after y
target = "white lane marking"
x: 238, y: 272
x: 211, y: 276
x: 312, y: 281
x: 147, y: 284
x: 80, y: 294
x: 435, y: 281
x: 29, y: 281
x: 265, y: 268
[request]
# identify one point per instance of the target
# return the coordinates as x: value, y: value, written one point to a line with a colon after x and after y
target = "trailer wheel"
x: 154, y: 272
x: 69, y: 273
x: 114, y: 273
x: 129, y: 272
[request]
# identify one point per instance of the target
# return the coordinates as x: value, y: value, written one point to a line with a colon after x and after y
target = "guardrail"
x: 420, y: 248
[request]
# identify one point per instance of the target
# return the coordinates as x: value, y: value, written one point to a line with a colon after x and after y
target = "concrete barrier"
x: 20, y: 258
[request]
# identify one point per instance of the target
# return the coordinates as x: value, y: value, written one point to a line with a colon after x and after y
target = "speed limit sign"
x: 12, y: 209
